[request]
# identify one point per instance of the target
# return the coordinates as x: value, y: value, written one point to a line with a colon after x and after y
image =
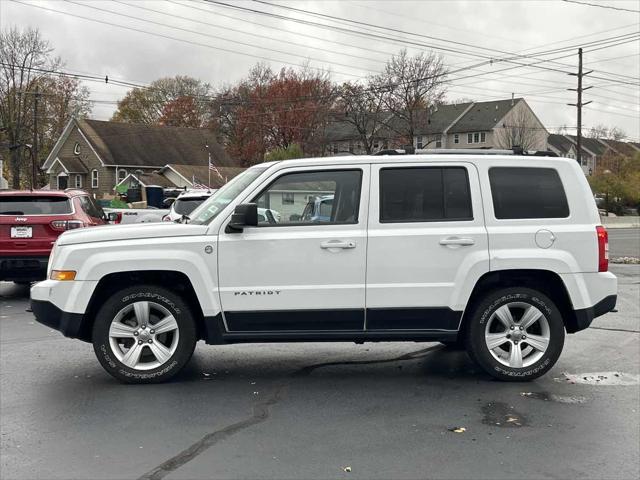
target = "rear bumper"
x: 585, y: 316
x: 46, y: 313
x: 23, y: 268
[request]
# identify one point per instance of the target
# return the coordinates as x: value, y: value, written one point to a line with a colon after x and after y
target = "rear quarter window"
x: 521, y: 192
x: 40, y: 205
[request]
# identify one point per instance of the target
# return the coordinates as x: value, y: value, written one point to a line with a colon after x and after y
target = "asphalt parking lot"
x: 315, y: 410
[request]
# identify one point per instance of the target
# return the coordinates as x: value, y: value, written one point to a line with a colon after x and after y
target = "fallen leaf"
x: 458, y: 429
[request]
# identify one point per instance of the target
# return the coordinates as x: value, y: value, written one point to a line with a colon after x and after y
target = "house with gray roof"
x: 96, y: 155
x: 594, y: 150
x: 494, y: 124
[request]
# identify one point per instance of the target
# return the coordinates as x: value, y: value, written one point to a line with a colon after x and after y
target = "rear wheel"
x: 144, y: 334
x: 515, y: 334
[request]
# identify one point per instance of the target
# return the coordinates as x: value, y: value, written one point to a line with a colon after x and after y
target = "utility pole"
x: 34, y: 151
x: 579, y: 104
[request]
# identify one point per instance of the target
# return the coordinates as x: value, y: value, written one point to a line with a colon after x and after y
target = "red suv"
x: 31, y: 221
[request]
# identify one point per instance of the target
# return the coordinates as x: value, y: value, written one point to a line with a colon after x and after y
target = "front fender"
x: 94, y: 261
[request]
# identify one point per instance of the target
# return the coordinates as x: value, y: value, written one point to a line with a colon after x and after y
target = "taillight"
x: 62, y: 225
x: 115, y: 217
x: 603, y: 249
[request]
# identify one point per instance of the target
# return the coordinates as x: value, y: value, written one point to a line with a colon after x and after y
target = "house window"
x: 476, y: 137
x: 76, y: 148
x: 63, y: 181
x: 122, y: 173
x: 78, y: 181
x: 439, y: 141
x: 287, y: 198
x: 94, y: 178
x: 419, y: 143
x: 456, y: 138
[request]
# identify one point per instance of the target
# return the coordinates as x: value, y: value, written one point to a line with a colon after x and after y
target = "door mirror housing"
x: 245, y: 215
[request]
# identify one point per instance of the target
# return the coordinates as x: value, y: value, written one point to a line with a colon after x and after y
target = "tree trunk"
x: 14, y: 166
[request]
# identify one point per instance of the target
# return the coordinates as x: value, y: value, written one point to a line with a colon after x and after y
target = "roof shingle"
x: 147, y: 145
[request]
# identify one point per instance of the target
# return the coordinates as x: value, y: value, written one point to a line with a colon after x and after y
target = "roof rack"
x: 466, y: 151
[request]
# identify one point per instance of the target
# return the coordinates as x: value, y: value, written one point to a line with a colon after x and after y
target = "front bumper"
x: 23, y: 268
x: 70, y: 324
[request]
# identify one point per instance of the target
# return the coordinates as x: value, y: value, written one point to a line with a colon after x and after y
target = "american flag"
x: 213, y: 168
x: 198, y: 185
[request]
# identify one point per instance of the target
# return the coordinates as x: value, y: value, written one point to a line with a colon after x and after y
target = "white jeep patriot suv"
x: 497, y: 252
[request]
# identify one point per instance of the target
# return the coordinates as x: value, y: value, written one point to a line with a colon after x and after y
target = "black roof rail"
x: 466, y: 151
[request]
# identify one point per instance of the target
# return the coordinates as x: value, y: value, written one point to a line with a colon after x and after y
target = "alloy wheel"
x: 144, y: 335
x: 517, y: 334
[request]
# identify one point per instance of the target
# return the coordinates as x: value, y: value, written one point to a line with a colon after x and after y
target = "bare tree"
x: 362, y: 107
x: 520, y: 130
x: 24, y: 55
x: 616, y: 133
x: 599, y: 131
x: 604, y: 132
x: 411, y: 84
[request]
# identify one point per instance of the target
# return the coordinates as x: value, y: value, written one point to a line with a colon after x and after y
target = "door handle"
x: 337, y: 244
x: 457, y: 241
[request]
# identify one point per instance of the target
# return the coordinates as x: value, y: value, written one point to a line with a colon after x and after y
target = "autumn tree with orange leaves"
x: 269, y: 111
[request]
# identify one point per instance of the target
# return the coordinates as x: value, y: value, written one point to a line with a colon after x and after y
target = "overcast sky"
x: 219, y: 44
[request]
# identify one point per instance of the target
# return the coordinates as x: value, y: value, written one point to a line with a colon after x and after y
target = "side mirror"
x: 245, y: 215
x: 168, y: 202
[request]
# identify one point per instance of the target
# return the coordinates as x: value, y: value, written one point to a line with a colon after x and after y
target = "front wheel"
x: 515, y: 334
x: 144, y: 334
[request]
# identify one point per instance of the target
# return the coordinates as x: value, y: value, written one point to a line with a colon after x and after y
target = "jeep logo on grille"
x: 21, y: 219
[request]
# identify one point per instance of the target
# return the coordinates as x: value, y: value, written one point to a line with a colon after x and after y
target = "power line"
x: 587, y: 4
x: 111, y: 24
x: 216, y: 37
x: 384, y: 28
x: 244, y: 32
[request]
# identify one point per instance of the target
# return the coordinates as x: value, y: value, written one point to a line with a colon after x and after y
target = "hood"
x: 136, y: 231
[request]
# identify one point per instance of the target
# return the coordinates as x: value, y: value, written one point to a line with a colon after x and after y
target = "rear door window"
x: 35, y: 205
x: 520, y: 192
x: 424, y: 194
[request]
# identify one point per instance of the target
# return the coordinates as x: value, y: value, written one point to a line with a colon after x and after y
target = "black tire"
x: 477, y: 346
x: 170, y: 301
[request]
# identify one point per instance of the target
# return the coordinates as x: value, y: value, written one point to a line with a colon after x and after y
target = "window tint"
x: 21, y: 205
x: 184, y: 206
x: 90, y: 207
x: 319, y: 197
x: 527, y: 193
x: 424, y: 194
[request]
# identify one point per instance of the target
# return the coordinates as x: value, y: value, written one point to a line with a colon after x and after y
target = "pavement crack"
x: 615, y: 329
x: 407, y: 356
x: 261, y: 412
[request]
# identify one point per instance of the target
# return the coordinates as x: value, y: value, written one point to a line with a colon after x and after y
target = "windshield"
x: 205, y: 213
x: 184, y: 206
